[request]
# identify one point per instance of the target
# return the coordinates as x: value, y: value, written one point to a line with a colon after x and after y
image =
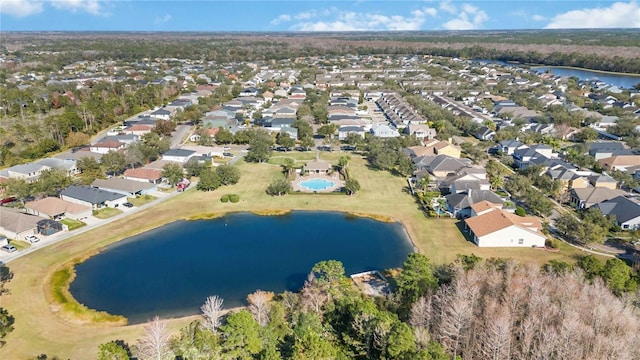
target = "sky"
x: 314, y: 15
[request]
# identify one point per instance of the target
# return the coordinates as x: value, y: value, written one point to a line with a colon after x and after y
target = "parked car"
x: 9, y: 248
x: 128, y: 204
x: 32, y: 238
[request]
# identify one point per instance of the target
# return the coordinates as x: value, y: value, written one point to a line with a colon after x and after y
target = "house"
x: 317, y: 166
x: 126, y: 187
x: 64, y: 165
x: 444, y: 148
x: 92, y: 197
x: 484, y: 133
x: 56, y: 208
x: 466, y: 179
x: 498, y: 228
x: 440, y: 166
x: 625, y: 211
x: 620, y: 162
x: 144, y: 174
x: 344, y: 131
x: 178, y: 155
x: 137, y: 129
x: 484, y: 207
x: 384, y: 131
x: 17, y: 225
x: 603, y: 180
x: 509, y: 146
x: 587, y: 197
x: 420, y: 131
x: 161, y: 113
x: 105, y: 146
x: 28, y: 172
x: 459, y: 204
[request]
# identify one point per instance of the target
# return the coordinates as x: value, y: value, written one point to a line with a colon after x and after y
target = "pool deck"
x: 335, y: 178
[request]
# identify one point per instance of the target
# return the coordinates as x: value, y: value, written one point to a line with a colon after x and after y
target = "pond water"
x: 620, y: 80
x: 169, y: 271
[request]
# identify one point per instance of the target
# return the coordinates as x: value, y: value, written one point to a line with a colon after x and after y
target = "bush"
x: 234, y: 198
x: 520, y: 211
x: 224, y: 198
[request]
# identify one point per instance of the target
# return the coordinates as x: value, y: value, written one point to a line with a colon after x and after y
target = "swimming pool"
x: 317, y: 184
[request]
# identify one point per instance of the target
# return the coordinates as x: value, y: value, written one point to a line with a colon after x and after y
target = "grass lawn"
x: 72, y: 224
x: 19, y: 244
x: 40, y: 327
x: 106, y: 213
x: 141, y: 200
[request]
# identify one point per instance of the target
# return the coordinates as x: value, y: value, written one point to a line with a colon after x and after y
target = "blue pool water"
x: 317, y: 184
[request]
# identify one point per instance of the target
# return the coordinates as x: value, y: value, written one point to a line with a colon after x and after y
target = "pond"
x: 624, y: 81
x: 169, y: 271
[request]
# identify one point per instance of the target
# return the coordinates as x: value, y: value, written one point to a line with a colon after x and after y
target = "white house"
x: 384, y: 131
x: 499, y: 228
x: 178, y: 155
x: 106, y: 146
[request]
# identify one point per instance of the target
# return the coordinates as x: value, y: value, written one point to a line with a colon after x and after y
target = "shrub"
x: 224, y: 198
x: 234, y: 198
x: 520, y: 211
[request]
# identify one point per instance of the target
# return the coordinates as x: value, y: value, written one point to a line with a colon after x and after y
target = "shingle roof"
x: 55, y: 206
x: 623, y: 208
x: 90, y: 194
x: 15, y: 221
x: 130, y: 186
x: 493, y: 221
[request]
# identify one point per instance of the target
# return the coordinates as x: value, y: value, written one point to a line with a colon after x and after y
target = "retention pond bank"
x: 171, y: 270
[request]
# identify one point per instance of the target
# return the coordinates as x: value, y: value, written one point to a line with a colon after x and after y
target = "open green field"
x: 40, y: 328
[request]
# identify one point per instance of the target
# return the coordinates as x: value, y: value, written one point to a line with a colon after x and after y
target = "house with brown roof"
x: 17, y: 225
x: 56, y: 208
x: 104, y: 147
x: 620, y: 162
x: 498, y: 228
x: 144, y: 174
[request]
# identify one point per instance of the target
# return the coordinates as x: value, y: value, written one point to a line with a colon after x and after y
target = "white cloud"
x: 469, y: 18
x: 618, y: 15
x: 447, y: 6
x: 355, y: 21
x: 162, y: 19
x: 20, y: 8
x: 280, y: 19
x: 537, y: 17
x: 93, y: 7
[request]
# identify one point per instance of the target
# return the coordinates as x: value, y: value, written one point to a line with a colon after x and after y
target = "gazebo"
x: 317, y: 166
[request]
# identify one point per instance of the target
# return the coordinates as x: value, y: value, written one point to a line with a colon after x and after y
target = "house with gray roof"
x: 123, y: 186
x: 29, y: 172
x: 625, y: 211
x: 92, y: 197
x: 441, y: 166
x: 178, y: 155
x: 68, y: 166
x: 459, y: 204
x: 587, y: 197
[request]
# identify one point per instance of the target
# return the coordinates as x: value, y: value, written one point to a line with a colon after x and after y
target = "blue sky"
x: 312, y: 15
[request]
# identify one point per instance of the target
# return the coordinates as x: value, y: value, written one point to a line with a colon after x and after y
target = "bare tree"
x: 212, y: 313
x: 154, y: 345
x: 259, y: 306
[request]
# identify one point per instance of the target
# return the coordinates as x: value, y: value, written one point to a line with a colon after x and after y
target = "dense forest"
x: 599, y: 50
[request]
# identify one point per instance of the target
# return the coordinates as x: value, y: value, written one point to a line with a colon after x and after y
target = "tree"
x: 164, y: 127
x: 617, y: 276
x: 136, y: 154
x: 173, y: 173
x: 259, y: 306
x: 327, y: 130
x: 89, y: 169
x: 77, y: 139
x: 416, y: 278
x: 351, y: 186
x: 405, y: 164
x: 228, y: 174
x: 212, y: 313
x: 154, y: 344
x: 223, y: 136
x: 209, y: 180
x: 591, y: 266
x: 586, y: 134
x: 283, y: 139
x: 193, y: 166
x: 328, y: 272
x: 279, y: 187
x: 6, y: 320
x: 307, y: 142
x: 114, y: 350
x: 52, y: 181
x: 241, y: 336
x: 114, y: 162
x: 196, y: 343
x: 260, y: 150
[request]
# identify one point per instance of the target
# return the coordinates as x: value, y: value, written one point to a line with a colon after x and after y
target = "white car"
x: 32, y: 238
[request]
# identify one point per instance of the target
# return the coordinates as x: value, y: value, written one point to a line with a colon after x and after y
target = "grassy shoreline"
x: 382, y: 198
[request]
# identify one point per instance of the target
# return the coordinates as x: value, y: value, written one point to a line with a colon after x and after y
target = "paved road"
x: 92, y: 223
x: 179, y: 135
